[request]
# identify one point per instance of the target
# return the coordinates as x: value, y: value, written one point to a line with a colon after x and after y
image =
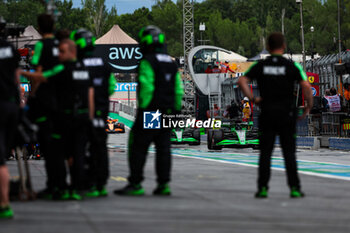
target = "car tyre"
x: 196, y: 134
x: 214, y: 136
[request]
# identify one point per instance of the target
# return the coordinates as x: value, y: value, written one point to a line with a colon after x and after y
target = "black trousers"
x: 8, y: 124
x: 44, y: 140
x: 139, y: 142
x: 77, y: 153
x: 283, y: 124
x: 61, y: 148
x: 69, y: 142
x: 98, y: 160
x: 36, y: 111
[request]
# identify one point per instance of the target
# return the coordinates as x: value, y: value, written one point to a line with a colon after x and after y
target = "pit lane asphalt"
x: 208, y: 196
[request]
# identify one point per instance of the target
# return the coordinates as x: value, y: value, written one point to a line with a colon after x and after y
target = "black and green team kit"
x: 159, y: 88
x: 9, y: 63
x: 9, y: 100
x: 159, y: 84
x: 71, y: 83
x: 103, y: 82
x: 46, y: 57
x: 46, y: 53
x: 277, y: 78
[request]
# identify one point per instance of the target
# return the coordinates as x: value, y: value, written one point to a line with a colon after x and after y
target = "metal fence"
x: 325, y: 124
x: 322, y: 124
x: 118, y: 107
x: 324, y: 66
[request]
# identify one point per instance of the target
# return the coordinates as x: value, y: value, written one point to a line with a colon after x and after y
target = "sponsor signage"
x: 25, y: 86
x: 334, y: 103
x: 125, y: 87
x: 314, y: 80
x: 346, y: 123
x: 122, y: 58
x: 314, y: 91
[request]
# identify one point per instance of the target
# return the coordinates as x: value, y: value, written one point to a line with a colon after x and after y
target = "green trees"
x: 96, y: 15
x: 345, y: 29
x: 23, y: 12
x: 238, y: 25
x: 253, y: 20
x: 168, y: 17
x: 71, y: 18
x: 132, y: 23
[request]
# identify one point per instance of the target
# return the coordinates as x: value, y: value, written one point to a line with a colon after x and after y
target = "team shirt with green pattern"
x: 46, y: 56
x: 277, y: 77
x: 71, y: 81
x: 8, y: 64
x: 103, y: 81
x: 159, y: 83
x: 46, y: 53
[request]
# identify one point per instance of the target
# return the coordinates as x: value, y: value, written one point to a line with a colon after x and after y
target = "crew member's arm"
x: 179, y: 92
x: 16, y: 58
x: 17, y: 76
x: 251, y: 73
x: 37, y: 56
x: 146, y: 80
x: 43, y: 76
x: 306, y: 88
x: 309, y: 100
x: 36, y: 76
x: 18, y: 84
x: 91, y: 103
x: 243, y: 84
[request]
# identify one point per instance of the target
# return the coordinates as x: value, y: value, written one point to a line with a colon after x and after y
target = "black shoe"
x: 131, y: 190
x: 60, y: 195
x: 162, y: 190
x: 261, y: 193
x: 296, y: 193
x: 6, y: 212
x: 45, y: 194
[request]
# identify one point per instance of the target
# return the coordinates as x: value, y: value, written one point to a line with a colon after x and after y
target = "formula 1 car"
x: 186, y: 136
x: 113, y: 126
x: 233, y: 134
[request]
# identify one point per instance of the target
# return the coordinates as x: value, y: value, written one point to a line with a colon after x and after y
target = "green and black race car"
x: 189, y: 136
x: 233, y: 134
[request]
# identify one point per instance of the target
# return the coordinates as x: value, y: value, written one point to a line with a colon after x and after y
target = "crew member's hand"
x: 305, y: 113
x: 257, y: 100
x: 34, y: 76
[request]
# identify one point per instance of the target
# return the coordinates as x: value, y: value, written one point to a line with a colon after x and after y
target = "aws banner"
x: 125, y: 87
x: 123, y: 58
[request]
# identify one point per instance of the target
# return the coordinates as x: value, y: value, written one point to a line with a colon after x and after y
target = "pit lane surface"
x: 212, y: 192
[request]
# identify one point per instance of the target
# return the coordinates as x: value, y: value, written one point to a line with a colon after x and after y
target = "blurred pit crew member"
x: 160, y: 90
x: 41, y: 100
x: 103, y: 82
x: 9, y: 107
x: 276, y: 77
x: 74, y: 99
